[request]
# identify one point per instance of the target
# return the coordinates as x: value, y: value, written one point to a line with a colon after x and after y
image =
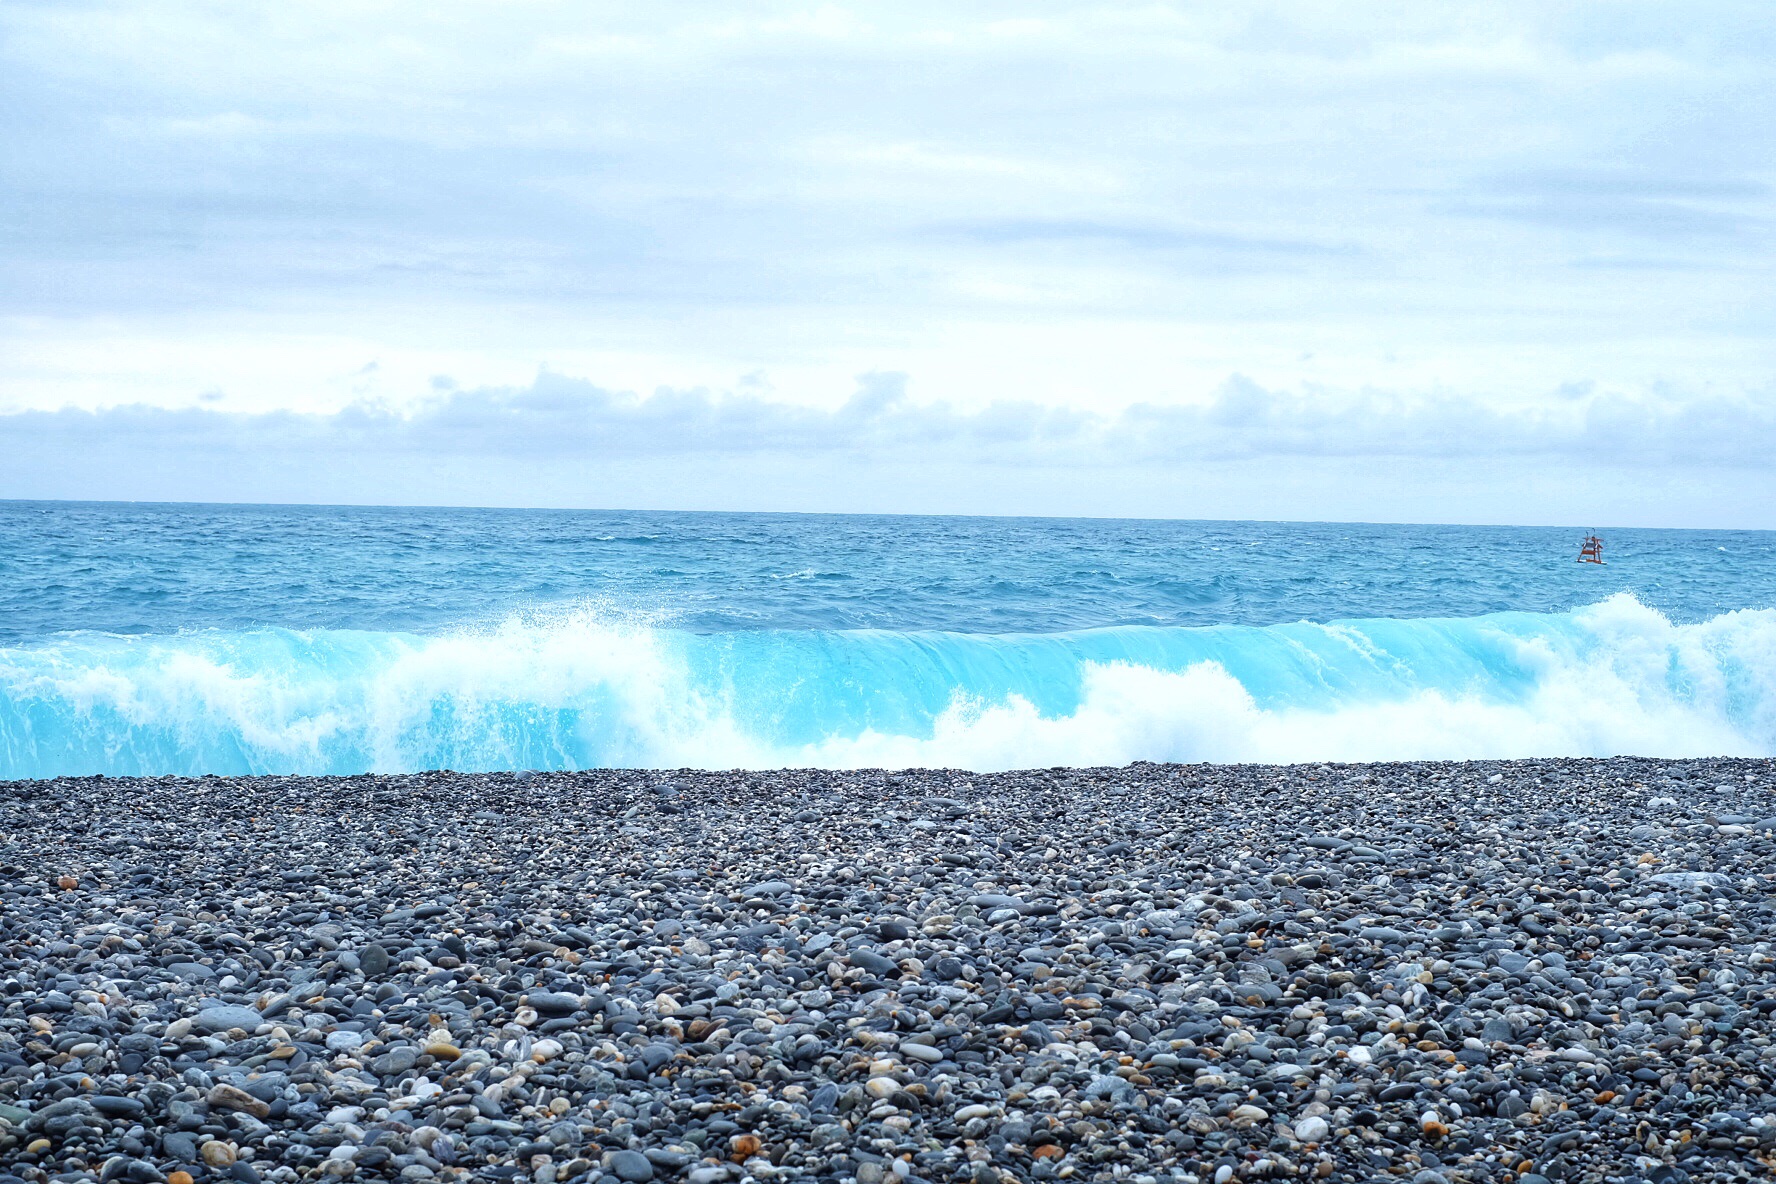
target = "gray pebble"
x: 1346, y: 972
x: 632, y: 1167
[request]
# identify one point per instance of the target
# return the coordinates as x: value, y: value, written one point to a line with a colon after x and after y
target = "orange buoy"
x: 1592, y: 550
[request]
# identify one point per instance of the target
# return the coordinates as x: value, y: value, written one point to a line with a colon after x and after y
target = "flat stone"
x: 989, y: 901
x: 554, y: 1003
x: 395, y: 1061
x: 345, y: 1040
x: 228, y: 1097
x: 1386, y: 935
x: 224, y: 1017
x: 873, y: 962
x: 632, y: 1167
x: 1691, y: 880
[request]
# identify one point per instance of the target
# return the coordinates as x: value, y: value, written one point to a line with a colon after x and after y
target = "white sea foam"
x: 581, y: 689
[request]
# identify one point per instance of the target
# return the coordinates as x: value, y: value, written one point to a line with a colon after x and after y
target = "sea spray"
x: 582, y: 689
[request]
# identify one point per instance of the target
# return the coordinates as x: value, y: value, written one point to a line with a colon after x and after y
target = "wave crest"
x: 584, y: 689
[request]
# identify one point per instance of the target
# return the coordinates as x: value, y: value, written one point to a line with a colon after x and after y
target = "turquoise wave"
x: 579, y: 690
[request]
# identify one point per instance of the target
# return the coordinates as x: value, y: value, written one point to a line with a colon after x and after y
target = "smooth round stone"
x: 1247, y: 1114
x: 632, y: 1167
x: 1312, y: 1129
x: 181, y: 1146
x: 373, y: 960
x: 395, y: 1061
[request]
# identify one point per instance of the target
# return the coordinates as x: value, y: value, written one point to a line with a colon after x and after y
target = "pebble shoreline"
x: 1436, y: 972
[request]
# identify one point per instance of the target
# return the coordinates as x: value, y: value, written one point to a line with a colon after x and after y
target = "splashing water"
x: 579, y: 689
x: 229, y: 639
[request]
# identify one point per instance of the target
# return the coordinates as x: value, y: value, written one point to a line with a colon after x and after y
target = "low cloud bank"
x: 560, y: 417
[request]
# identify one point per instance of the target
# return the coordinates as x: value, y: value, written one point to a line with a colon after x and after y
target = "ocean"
x: 194, y: 639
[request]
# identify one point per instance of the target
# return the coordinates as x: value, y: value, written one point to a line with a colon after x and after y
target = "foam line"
x: 579, y: 689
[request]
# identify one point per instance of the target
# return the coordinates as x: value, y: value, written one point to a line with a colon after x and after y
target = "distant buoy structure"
x: 1591, y: 551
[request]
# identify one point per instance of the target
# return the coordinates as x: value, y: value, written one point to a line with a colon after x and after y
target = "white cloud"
x: 1112, y: 206
x: 1586, y: 458
x: 560, y: 416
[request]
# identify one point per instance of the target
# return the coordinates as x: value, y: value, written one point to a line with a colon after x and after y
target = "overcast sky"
x: 1457, y: 262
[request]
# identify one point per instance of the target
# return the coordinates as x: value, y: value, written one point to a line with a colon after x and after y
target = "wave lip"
x: 582, y: 689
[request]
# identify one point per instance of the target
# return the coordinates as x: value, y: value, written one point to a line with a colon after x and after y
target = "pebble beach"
x: 1439, y: 972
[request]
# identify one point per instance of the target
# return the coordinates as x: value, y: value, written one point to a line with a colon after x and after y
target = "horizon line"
x: 274, y: 505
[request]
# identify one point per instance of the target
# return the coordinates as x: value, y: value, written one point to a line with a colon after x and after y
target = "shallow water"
x: 192, y: 639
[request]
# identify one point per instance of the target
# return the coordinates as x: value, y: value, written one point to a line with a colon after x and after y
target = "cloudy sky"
x: 1451, y: 262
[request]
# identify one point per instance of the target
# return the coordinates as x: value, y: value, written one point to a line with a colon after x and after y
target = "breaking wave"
x: 579, y: 689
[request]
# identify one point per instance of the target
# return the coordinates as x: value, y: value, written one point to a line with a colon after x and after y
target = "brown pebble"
x: 231, y: 1097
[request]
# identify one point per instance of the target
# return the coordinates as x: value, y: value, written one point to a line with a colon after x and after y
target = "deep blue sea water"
x: 231, y: 639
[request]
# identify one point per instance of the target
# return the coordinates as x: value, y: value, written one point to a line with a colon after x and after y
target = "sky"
x: 1486, y: 262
